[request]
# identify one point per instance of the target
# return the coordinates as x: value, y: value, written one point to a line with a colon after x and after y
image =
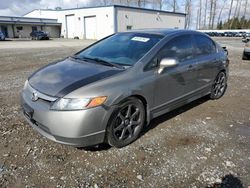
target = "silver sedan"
x: 111, y: 90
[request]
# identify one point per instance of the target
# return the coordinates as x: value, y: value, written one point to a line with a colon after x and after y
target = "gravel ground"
x: 203, y: 144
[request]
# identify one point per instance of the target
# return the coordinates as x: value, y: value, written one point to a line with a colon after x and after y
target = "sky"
x: 21, y: 7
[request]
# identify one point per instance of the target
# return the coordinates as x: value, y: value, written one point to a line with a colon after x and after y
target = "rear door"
x: 176, y: 82
x: 207, y: 60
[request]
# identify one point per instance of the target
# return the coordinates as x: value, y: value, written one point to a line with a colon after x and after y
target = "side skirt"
x: 179, y: 102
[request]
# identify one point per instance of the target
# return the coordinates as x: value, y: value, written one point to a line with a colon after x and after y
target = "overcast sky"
x: 21, y: 7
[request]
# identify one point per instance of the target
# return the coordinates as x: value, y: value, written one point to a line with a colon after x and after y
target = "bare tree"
x: 200, y: 10
x: 160, y: 3
x: 214, y: 13
x: 245, y: 9
x: 197, y: 19
x: 174, y: 5
x: 188, y: 7
x: 205, y: 16
x: 235, y: 12
x: 139, y: 3
x: 222, y: 7
x: 230, y: 9
x: 239, y: 8
x: 210, y: 13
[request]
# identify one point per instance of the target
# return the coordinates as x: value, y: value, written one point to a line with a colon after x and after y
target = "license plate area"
x: 28, y: 111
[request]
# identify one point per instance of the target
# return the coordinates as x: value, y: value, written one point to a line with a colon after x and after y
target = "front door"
x: 176, y: 82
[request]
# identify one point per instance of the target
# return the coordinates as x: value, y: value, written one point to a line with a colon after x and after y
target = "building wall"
x: 104, y: 20
x: 143, y: 19
x: 53, y: 31
x: 111, y: 19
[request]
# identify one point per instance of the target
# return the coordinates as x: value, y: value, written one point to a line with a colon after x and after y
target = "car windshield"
x: 122, y: 48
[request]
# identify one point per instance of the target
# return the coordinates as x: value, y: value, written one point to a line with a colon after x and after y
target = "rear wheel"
x: 219, y: 86
x: 126, y: 123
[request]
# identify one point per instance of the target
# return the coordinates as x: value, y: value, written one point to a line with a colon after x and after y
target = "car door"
x: 207, y: 60
x: 176, y: 82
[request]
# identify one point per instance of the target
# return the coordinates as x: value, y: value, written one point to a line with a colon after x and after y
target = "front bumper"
x: 77, y: 128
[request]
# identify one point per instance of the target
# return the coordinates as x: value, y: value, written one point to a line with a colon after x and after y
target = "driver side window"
x: 179, y: 48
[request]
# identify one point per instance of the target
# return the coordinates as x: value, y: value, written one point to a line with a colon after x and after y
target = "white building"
x: 99, y: 22
x: 21, y: 27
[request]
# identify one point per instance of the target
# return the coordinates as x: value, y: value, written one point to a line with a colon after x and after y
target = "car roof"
x: 163, y: 32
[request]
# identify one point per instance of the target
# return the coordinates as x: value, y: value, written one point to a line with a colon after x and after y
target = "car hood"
x: 60, y: 78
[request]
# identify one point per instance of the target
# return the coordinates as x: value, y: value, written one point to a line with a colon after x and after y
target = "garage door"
x: 90, y: 27
x: 70, y: 26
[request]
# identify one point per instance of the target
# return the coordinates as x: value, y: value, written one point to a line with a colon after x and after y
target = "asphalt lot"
x: 203, y: 144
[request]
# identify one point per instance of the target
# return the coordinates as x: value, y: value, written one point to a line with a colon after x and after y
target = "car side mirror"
x: 167, y: 63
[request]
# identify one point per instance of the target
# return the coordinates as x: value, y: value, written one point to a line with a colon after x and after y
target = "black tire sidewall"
x: 110, y: 138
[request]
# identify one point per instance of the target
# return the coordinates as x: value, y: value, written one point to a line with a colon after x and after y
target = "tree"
x: 222, y: 7
x: 214, y: 13
x: 219, y: 25
x: 205, y: 16
x: 200, y: 10
x: 188, y: 7
x: 230, y: 10
x: 210, y: 13
x: 160, y: 3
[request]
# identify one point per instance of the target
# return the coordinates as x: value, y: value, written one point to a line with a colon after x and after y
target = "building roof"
x: 27, y: 20
x: 115, y: 6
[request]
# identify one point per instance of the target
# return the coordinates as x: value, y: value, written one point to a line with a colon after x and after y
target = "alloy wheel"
x: 127, y: 122
x: 219, y: 85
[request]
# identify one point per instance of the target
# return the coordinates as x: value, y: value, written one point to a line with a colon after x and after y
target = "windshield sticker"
x: 140, y: 39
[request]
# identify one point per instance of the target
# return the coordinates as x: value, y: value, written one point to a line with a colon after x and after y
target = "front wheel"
x: 219, y: 86
x: 126, y: 123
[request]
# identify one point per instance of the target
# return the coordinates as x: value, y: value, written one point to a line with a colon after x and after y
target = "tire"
x: 126, y: 123
x: 219, y: 86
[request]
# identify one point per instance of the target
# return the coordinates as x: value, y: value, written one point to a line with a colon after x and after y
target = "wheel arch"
x: 145, y: 104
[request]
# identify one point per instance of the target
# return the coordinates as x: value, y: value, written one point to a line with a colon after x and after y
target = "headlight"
x: 77, y: 104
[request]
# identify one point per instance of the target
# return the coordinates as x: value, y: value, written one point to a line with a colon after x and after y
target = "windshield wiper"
x: 108, y: 63
x: 76, y: 57
x: 98, y: 60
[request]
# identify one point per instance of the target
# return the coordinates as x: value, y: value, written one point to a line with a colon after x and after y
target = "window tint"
x: 204, y: 45
x: 180, y: 48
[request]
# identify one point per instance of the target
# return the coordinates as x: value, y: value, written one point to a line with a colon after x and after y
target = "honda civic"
x: 111, y: 90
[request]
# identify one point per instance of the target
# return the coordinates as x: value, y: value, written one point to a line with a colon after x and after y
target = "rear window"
x: 204, y: 45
